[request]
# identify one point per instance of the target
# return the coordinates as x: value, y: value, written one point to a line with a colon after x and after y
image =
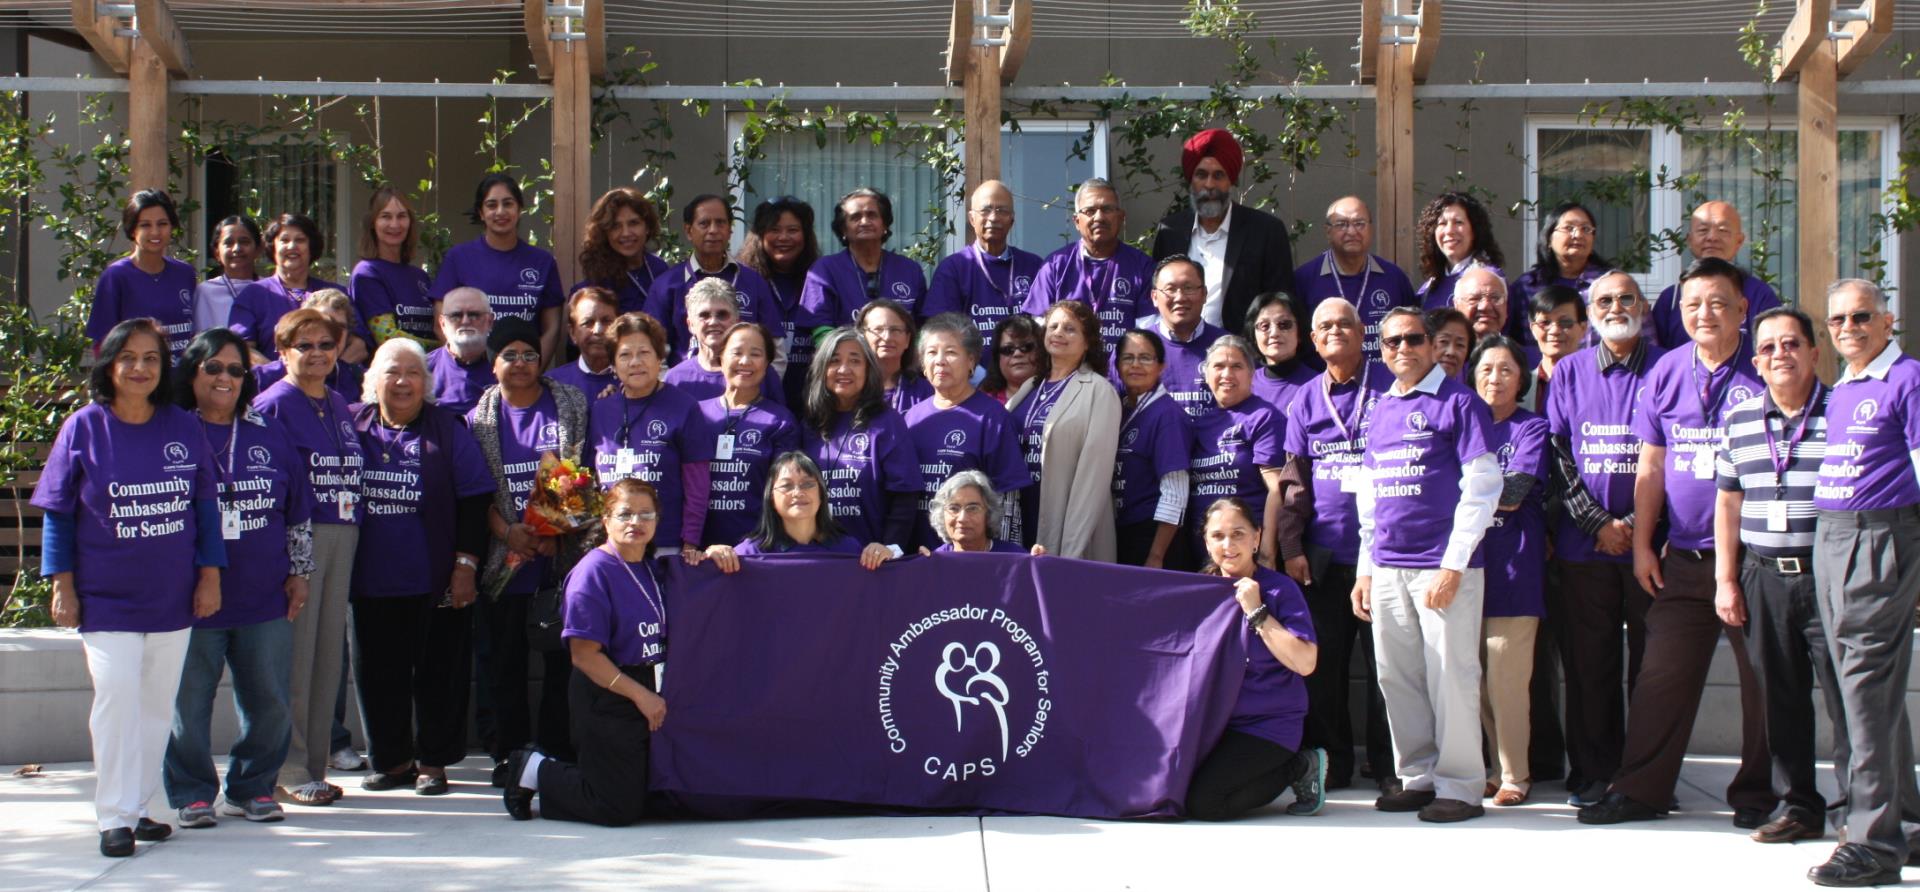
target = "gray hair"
x: 957, y: 326
x: 712, y: 290
x: 1097, y: 183
x: 1863, y: 286
x: 1481, y: 270
x: 1234, y: 342
x: 1334, y: 305
x: 465, y: 291
x: 388, y: 353
x: 951, y: 487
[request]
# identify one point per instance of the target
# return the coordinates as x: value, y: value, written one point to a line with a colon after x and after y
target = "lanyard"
x: 733, y: 420
x: 1794, y: 434
x: 636, y: 279
x: 693, y: 267
x: 1709, y: 399
x: 979, y: 261
x: 1359, y: 401
x: 1150, y: 396
x: 1110, y: 264
x: 1366, y: 274
x: 233, y: 440
x: 659, y: 606
x: 626, y: 417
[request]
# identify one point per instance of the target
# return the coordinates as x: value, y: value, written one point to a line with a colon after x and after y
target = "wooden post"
x: 1393, y: 209
x: 147, y: 130
x: 982, y: 102
x: 150, y: 61
x: 571, y: 65
x: 1817, y: 190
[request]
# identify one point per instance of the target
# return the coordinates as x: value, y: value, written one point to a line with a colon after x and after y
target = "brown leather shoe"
x: 1404, y: 800
x: 1449, y: 811
x: 1787, y: 828
x: 1508, y: 797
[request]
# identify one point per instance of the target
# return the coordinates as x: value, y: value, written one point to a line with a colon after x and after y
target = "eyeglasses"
x: 1098, y: 210
x: 787, y: 489
x: 1623, y: 301
x: 1018, y: 347
x: 1284, y: 325
x: 1574, y: 229
x: 994, y: 210
x: 530, y: 357
x: 214, y: 367
x: 1348, y: 225
x: 465, y: 315
x: 1784, y: 345
x: 1183, y: 290
x: 971, y: 509
x: 1138, y: 359
x: 631, y: 517
x: 1560, y: 324
x: 1408, y: 340
x: 886, y: 331
x: 1859, y: 318
x: 309, y: 346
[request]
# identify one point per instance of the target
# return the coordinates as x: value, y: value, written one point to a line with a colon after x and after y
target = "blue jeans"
x: 261, y: 656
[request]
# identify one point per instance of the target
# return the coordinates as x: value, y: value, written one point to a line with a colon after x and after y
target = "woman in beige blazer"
x: 1068, y: 418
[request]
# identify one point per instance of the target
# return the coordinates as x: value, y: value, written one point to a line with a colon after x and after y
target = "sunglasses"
x: 1861, y: 317
x: 1407, y: 340
x: 1017, y: 349
x: 1622, y: 301
x: 214, y: 367
x: 1784, y: 345
x: 309, y: 346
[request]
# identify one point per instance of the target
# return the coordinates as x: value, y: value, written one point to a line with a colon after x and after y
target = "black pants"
x: 608, y: 786
x: 1546, y: 745
x: 1600, y: 603
x: 1788, y: 646
x: 1242, y: 773
x: 1135, y: 542
x: 505, y: 622
x: 1329, y: 717
x: 411, y: 661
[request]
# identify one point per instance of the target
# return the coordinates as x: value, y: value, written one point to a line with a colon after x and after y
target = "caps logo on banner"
x: 989, y: 677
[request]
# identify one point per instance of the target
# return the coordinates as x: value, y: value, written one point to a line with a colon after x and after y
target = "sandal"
x: 313, y: 794
x: 1513, y: 795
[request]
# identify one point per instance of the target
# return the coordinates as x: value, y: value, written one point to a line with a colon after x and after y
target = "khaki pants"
x: 1506, y: 654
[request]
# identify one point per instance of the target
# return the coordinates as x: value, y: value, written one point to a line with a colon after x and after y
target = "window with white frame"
x: 1600, y: 164
x: 1038, y: 162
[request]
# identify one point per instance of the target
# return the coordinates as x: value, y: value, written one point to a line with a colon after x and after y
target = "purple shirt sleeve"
x: 1264, y: 436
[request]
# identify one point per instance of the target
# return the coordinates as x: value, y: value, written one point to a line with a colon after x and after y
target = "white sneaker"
x: 345, y: 759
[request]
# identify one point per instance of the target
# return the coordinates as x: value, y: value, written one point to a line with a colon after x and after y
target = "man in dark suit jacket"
x: 1245, y: 252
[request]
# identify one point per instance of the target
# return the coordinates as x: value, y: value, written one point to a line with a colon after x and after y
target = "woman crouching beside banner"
x: 795, y: 519
x: 616, y: 629
x: 1258, y: 755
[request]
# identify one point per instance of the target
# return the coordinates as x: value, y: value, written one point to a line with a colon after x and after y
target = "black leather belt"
x: 1795, y: 565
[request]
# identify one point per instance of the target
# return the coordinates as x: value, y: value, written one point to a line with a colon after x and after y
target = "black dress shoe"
x: 1749, y: 818
x: 149, y: 830
x: 1588, y: 795
x: 1789, y: 827
x: 389, y: 780
x: 431, y: 785
x: 1853, y: 864
x: 1404, y: 800
x: 1617, y: 808
x: 1450, y: 811
x: 500, y: 774
x: 116, y: 843
x: 518, y: 799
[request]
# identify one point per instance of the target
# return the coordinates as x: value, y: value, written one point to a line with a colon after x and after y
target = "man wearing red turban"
x: 1244, y: 252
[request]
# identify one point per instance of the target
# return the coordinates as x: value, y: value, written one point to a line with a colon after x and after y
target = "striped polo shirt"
x: 1748, y: 465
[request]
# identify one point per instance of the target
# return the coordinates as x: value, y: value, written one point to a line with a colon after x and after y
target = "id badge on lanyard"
x: 229, y: 523
x: 346, y: 501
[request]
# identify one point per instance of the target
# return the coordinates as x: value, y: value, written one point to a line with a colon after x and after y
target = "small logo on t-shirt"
x: 176, y: 452
x: 750, y: 437
x: 656, y: 428
x: 529, y: 276
x: 1122, y: 288
x: 1379, y: 299
x: 260, y: 456
x: 902, y: 290
x: 857, y: 446
x: 346, y: 432
x: 550, y: 435
x: 410, y: 453
x: 1864, y: 412
x: 1021, y: 285
x: 1417, y: 421
x: 1739, y: 394
x: 1132, y: 435
x: 956, y: 439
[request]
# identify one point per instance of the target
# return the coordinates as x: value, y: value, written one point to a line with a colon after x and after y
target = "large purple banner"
x: 981, y: 682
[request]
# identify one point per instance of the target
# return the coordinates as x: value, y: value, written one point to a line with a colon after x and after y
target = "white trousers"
x: 1429, y: 665
x: 135, y: 678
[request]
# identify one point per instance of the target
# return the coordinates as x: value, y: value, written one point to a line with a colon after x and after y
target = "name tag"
x: 346, y: 507
x: 1776, y: 517
x: 230, y: 524
x: 1703, y: 465
x: 624, y: 462
x: 723, y: 447
x: 1352, y: 480
x: 660, y: 677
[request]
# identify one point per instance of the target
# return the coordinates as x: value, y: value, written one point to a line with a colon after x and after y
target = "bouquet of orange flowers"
x: 565, y: 499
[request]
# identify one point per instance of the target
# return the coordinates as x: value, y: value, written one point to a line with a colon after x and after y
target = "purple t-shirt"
x: 603, y: 603
x: 1684, y: 410
x: 382, y: 286
x: 995, y: 546
x: 1595, y: 411
x: 125, y: 292
x: 705, y: 385
x: 593, y: 384
x: 1279, y: 391
x: 1117, y: 288
x: 976, y: 435
x: 259, y: 308
x: 844, y: 545
x: 404, y: 500
x: 1872, y: 425
x: 322, y: 431
x: 260, y: 475
x: 1669, y: 332
x: 631, y: 285
x: 837, y: 287
x: 758, y: 434
x: 520, y: 282
x: 457, y: 385
x: 667, y: 301
x: 1155, y: 440
x: 1516, y: 542
x: 795, y: 333
x: 1230, y: 445
x: 131, y: 489
x: 1327, y: 425
x: 1437, y: 292
x: 861, y: 466
x: 982, y: 287
x: 347, y: 378
x: 658, y: 433
x: 1520, y: 299
x: 1380, y: 286
x: 909, y: 390
x: 1273, y: 699
x: 525, y: 435
x: 1030, y: 420
x: 1416, y: 449
x: 1182, y: 376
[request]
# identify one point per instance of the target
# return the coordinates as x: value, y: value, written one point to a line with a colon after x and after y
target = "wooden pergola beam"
x: 959, y: 41
x: 1369, y: 40
x: 1426, y: 43
x: 537, y: 42
x: 98, y: 30
x: 1863, y: 38
x: 571, y: 63
x: 159, y: 31
x: 1805, y: 33
x: 1019, y: 35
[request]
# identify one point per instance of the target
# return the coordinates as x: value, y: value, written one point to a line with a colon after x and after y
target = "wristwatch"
x: 466, y: 562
